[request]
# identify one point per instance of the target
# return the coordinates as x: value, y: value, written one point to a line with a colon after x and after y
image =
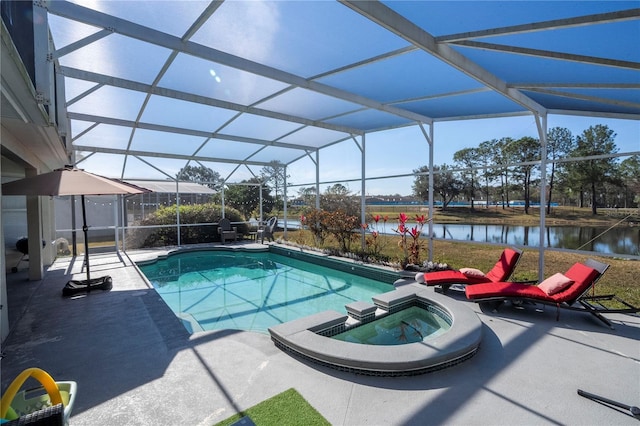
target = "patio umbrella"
x: 71, y: 181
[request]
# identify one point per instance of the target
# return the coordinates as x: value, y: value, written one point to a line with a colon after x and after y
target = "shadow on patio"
x: 135, y: 363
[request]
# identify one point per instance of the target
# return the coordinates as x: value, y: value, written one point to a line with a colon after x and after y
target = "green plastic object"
x: 32, y: 400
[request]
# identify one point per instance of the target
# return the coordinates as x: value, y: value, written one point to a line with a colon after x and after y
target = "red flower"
x: 364, y: 225
x: 385, y: 219
x: 303, y: 219
x: 402, y: 218
x: 375, y: 234
x: 401, y: 228
x: 376, y: 218
x: 414, y: 232
x: 420, y: 219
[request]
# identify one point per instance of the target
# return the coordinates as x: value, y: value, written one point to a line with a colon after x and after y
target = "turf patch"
x: 286, y: 408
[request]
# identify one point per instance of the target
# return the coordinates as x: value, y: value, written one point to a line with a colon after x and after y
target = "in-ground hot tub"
x: 311, y: 337
x: 408, y: 325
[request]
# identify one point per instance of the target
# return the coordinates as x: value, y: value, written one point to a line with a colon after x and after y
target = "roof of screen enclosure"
x: 233, y: 84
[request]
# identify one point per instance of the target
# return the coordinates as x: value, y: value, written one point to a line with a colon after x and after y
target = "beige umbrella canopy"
x: 71, y: 181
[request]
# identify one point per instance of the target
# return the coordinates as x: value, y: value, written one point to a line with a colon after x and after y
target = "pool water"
x: 213, y: 290
x: 410, y: 325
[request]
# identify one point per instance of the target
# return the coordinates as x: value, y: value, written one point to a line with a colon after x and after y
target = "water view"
x: 618, y: 240
x: 623, y: 239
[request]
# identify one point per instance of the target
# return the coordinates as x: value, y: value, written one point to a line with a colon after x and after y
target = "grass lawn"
x: 620, y: 279
x: 286, y: 408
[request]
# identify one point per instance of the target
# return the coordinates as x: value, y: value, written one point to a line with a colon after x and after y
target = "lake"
x: 618, y: 240
x: 624, y: 239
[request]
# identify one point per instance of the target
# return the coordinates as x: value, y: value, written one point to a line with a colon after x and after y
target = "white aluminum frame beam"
x: 190, y: 97
x: 600, y: 18
x: 129, y: 29
x: 185, y: 157
x: 550, y: 54
x: 398, y: 24
x: 182, y: 131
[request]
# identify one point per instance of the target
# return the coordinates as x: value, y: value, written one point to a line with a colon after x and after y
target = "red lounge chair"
x: 501, y: 271
x: 573, y: 297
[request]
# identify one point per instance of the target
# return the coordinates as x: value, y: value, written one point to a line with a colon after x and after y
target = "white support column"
x: 363, y: 188
x: 284, y: 202
x: 116, y: 218
x: 429, y: 138
x: 541, y: 123
x: 34, y: 233
x: 125, y: 221
x: 178, y: 212
x: 317, y: 179
x: 260, y: 219
x: 4, y: 310
x: 222, y: 197
x: 48, y: 229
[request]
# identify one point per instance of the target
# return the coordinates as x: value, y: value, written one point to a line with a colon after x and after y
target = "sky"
x: 400, y: 151
x: 292, y: 37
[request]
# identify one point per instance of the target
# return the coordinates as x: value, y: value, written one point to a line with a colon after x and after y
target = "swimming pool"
x: 213, y: 290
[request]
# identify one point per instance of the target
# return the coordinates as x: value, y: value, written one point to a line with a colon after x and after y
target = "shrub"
x: 342, y: 226
x: 189, y: 214
x: 316, y: 221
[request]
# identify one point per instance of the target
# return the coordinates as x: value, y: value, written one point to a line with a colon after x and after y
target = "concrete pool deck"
x: 136, y: 364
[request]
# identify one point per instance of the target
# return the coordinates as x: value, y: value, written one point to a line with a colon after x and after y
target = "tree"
x: 276, y: 175
x: 468, y: 158
x: 559, y: 143
x: 593, y: 173
x: 420, y: 187
x: 630, y: 174
x: 486, y: 156
x: 308, y: 195
x: 245, y: 197
x: 201, y: 174
x: 445, y: 183
x: 526, y: 149
x: 338, y: 197
x: 502, y: 158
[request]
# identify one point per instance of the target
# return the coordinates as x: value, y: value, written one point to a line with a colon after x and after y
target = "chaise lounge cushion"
x: 505, y: 289
x: 504, y: 266
x: 452, y: 277
x: 555, y: 283
x: 500, y: 272
x: 582, y: 275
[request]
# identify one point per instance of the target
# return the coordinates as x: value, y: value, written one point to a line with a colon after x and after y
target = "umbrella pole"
x: 85, y: 229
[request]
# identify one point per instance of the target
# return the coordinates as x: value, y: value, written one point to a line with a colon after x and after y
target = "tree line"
x: 584, y: 168
x: 245, y: 195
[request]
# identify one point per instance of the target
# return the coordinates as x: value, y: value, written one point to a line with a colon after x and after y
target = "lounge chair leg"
x: 602, y: 318
x: 596, y: 314
x: 496, y: 305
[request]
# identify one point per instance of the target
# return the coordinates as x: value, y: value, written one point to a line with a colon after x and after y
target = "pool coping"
x: 304, y: 337
x: 154, y: 256
x: 376, y: 272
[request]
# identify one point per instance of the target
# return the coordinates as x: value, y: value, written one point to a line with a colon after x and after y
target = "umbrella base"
x: 82, y: 286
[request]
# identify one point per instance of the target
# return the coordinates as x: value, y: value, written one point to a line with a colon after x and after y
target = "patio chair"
x: 226, y: 231
x: 501, y: 271
x: 267, y: 230
x: 564, y: 291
